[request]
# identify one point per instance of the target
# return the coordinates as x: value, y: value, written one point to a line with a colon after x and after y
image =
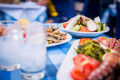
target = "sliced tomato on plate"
x: 65, y: 24
x: 84, y: 29
x: 77, y: 59
x: 84, y: 65
x: 77, y: 75
x: 83, y: 40
x: 87, y: 69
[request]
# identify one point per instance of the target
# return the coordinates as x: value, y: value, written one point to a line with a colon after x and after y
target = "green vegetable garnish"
x: 47, y: 42
x: 108, y: 50
x: 101, y: 28
x: 76, y: 28
x: 92, y: 49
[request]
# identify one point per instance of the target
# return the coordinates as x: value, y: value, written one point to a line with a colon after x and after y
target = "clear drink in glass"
x: 33, y: 52
x: 9, y: 45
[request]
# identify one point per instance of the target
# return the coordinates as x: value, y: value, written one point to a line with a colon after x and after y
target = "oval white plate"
x: 67, y: 64
x: 84, y: 34
x: 68, y: 38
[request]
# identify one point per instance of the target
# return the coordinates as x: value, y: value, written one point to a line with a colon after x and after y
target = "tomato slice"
x: 83, y: 40
x: 76, y: 74
x: 78, y: 59
x: 65, y: 24
x: 84, y: 65
x: 84, y: 29
x: 87, y: 69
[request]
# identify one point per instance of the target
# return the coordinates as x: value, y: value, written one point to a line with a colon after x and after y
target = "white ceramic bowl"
x: 84, y: 34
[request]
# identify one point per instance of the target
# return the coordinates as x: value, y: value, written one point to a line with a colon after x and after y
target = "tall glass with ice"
x: 33, y: 52
x: 9, y: 45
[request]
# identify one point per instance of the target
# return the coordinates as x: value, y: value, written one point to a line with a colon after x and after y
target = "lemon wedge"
x: 24, y: 23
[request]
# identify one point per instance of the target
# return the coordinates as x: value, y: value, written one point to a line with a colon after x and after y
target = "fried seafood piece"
x: 2, y: 31
x: 50, y: 34
x: 60, y: 36
x: 109, y: 68
x: 51, y: 29
x: 56, y: 32
x: 54, y: 35
x: 53, y: 40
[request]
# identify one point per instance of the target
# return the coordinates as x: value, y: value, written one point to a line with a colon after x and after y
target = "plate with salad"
x: 90, y: 59
x: 82, y: 26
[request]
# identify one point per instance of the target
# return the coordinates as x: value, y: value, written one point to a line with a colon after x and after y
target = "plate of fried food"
x: 56, y: 37
x: 90, y: 59
x: 82, y: 26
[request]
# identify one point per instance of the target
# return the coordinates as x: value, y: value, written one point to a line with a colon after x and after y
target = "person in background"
x: 59, y: 10
x: 42, y: 2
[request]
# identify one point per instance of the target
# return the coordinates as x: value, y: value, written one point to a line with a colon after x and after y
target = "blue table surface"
x: 55, y: 56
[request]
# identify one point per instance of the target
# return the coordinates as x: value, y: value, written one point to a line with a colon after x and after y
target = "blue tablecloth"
x: 55, y: 56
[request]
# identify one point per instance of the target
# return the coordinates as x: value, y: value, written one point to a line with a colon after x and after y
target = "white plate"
x: 84, y: 34
x: 67, y: 65
x: 68, y: 38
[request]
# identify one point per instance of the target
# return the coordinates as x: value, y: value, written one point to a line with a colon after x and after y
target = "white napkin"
x: 28, y: 10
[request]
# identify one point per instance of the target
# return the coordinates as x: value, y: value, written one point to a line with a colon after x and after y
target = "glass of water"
x: 33, y: 52
x: 9, y: 45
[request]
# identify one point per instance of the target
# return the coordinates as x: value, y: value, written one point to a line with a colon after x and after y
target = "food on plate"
x: 84, y: 40
x: 84, y: 24
x: 90, y: 48
x: 76, y: 28
x: 2, y: 30
x: 109, y: 68
x: 84, y: 29
x: 97, y: 59
x: 101, y: 28
x: 54, y: 35
x: 83, y: 67
x: 111, y: 43
x: 65, y: 24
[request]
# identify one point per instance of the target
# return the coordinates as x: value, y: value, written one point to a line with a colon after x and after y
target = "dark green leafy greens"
x: 92, y: 49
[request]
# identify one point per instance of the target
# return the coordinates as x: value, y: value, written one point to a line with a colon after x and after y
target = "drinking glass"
x: 9, y: 45
x: 33, y: 52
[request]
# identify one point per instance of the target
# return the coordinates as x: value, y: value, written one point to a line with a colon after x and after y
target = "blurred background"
x: 57, y: 11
